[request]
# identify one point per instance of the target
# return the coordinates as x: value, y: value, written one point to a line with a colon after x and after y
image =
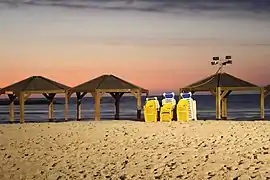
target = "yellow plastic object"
x: 150, y: 111
x: 182, y: 110
x: 166, y: 112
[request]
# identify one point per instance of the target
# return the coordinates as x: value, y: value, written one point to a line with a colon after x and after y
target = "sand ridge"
x: 136, y: 150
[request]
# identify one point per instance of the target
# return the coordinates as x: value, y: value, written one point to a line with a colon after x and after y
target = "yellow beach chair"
x: 168, y: 105
x: 182, y: 110
x: 186, y: 108
x: 151, y: 109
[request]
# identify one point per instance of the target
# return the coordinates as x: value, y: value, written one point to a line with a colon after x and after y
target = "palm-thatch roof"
x: 219, y: 80
x: 107, y: 82
x: 36, y: 84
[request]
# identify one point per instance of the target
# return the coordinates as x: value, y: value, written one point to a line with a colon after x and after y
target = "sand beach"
x: 136, y: 150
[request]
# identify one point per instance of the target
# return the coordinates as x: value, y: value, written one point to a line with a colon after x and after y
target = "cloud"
x: 160, y: 41
x: 172, y: 6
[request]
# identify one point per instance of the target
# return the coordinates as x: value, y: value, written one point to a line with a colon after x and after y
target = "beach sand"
x: 136, y: 150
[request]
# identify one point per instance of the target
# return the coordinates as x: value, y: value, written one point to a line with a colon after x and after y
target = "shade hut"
x: 221, y: 85
x: 35, y: 85
x: 111, y: 84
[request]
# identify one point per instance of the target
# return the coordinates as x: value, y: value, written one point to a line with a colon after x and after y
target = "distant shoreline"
x: 33, y: 101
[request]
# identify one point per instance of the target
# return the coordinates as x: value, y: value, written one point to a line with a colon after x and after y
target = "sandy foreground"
x: 136, y: 150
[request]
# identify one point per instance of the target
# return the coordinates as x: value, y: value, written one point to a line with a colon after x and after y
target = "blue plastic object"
x: 186, y: 95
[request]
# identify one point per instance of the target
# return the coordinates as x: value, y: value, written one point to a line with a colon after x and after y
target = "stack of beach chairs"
x: 185, y: 109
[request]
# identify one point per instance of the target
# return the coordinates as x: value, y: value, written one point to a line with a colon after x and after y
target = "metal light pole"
x: 221, y: 62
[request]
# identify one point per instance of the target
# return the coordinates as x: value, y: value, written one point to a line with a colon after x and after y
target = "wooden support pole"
x: 117, y: 105
x: 97, y: 105
x: 117, y: 109
x: 21, y: 101
x: 12, y: 98
x: 51, y: 108
x: 224, y: 99
x: 262, y: 102
x: 218, y: 114
x: 50, y: 98
x: 79, y: 108
x: 117, y: 96
x: 79, y: 104
x: 139, y: 105
x: 66, y: 105
x: 224, y: 108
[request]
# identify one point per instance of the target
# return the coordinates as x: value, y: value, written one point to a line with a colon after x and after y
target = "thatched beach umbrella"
x: 111, y: 84
x: 221, y: 85
x: 35, y: 85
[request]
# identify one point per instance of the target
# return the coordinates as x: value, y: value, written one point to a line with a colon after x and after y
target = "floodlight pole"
x: 221, y: 63
x: 221, y: 66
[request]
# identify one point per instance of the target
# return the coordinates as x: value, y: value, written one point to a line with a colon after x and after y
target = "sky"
x: 160, y: 45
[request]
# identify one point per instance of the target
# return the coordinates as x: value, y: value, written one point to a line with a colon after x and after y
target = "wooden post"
x: 50, y: 98
x: 218, y: 115
x: 139, y: 105
x: 262, y: 102
x: 224, y: 108
x: 12, y: 98
x: 79, y: 108
x: 97, y: 105
x: 21, y: 101
x: 51, y: 108
x: 117, y: 108
x: 117, y: 96
x: 66, y: 105
x: 79, y: 104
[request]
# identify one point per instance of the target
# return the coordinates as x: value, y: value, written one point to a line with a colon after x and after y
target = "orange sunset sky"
x: 159, y: 45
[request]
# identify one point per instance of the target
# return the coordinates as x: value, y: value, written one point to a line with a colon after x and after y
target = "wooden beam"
x: 21, y: 100
x: 213, y: 92
x: 240, y: 88
x: 218, y: 99
x: 262, y: 102
x: 12, y: 98
x: 266, y: 93
x: 46, y: 95
x: 222, y: 88
x: 115, y: 90
x: 26, y: 96
x: 223, y: 94
x: 47, y: 92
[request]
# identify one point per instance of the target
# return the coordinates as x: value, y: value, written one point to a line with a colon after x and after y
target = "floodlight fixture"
x: 228, y: 57
x: 216, y: 58
x: 214, y: 63
x: 221, y: 62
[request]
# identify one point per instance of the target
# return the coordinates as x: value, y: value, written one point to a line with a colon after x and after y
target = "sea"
x: 240, y: 107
